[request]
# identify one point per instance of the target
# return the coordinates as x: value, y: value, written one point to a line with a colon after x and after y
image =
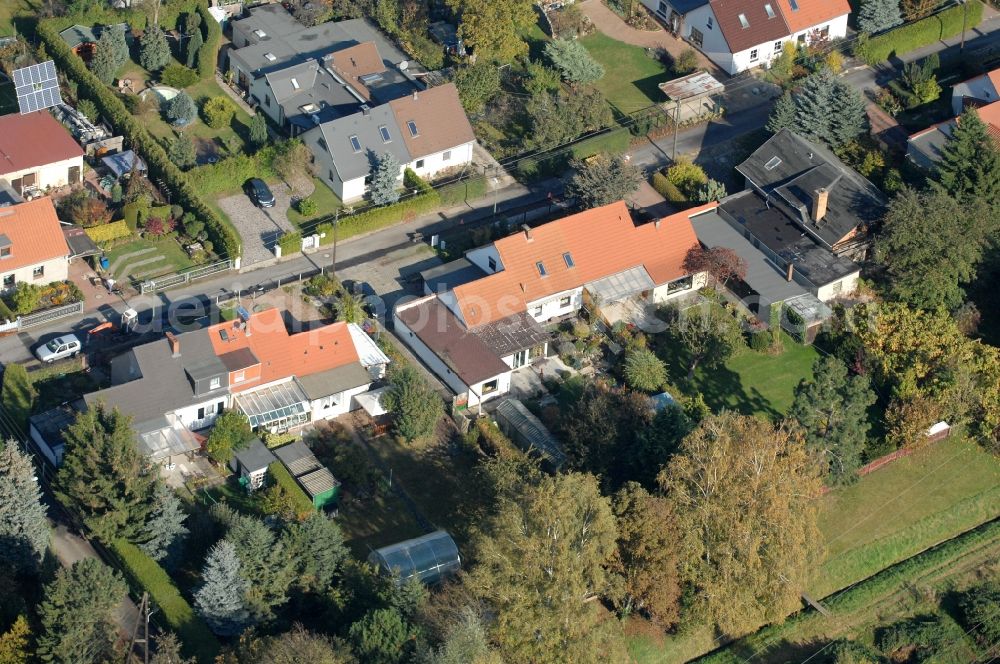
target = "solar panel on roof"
x: 37, y: 87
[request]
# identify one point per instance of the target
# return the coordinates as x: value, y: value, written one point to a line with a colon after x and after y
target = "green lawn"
x: 174, y: 257
x: 326, y: 201
x: 631, y: 78
x: 750, y: 382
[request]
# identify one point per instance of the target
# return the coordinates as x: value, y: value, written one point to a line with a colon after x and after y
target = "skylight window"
x: 260, y: 33
x: 769, y: 10
x: 568, y: 258
x: 385, y: 133
x: 795, y: 5
x: 743, y: 21
x: 295, y: 84
x: 355, y: 143
x: 271, y: 57
x: 541, y: 269
x: 412, y: 126
x: 772, y: 163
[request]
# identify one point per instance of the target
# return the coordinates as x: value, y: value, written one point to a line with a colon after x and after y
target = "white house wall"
x: 661, y: 293
x: 341, y: 403
x: 503, y: 387
x: 481, y: 256
x: 714, y: 44
x: 838, y: 29
x: 550, y: 307
x: 352, y: 190
x: 260, y: 90
x: 435, y: 163
x: 55, y: 269
x: 838, y: 288
x: 188, y: 416
x: 55, y: 174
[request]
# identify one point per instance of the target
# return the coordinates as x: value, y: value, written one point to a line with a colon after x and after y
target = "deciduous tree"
x: 230, y: 433
x: 103, y: 475
x: 384, y: 188
x: 493, y: 29
x: 292, y: 160
x: 465, y: 642
x: 154, y: 53
x: 721, y: 263
x: 646, y: 569
x: 931, y: 244
x: 15, y: 642
x: 76, y: 615
x: 970, y: 162
x: 168, y: 651
x: 220, y: 599
x: 541, y: 558
x: 477, y: 84
x: 559, y: 117
x: 573, y: 61
x: 24, y: 526
x: 743, y: 494
x: 603, y: 179
x: 709, y: 334
x: 832, y: 409
x: 878, y: 15
x: 917, y: 9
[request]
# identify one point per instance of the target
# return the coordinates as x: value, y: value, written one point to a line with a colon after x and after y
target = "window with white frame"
x: 778, y: 45
x: 565, y: 301
x: 490, y: 386
x: 214, y: 383
x: 753, y: 55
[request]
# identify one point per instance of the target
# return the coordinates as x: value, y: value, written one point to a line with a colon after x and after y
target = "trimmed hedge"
x: 220, y: 232
x: 864, y: 593
x: 664, y: 187
x: 108, y: 232
x: 467, y: 190
x: 290, y: 243
x: 208, y: 54
x: 381, y: 217
x: 145, y: 573
x: 613, y: 142
x: 284, y: 479
x: 920, y: 33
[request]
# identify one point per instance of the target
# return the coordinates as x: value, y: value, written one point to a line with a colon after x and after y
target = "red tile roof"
x: 990, y: 114
x: 34, y: 233
x: 282, y: 354
x: 439, y: 118
x: 356, y: 61
x: 601, y: 242
x: 760, y: 29
x: 35, y: 139
x: 812, y: 13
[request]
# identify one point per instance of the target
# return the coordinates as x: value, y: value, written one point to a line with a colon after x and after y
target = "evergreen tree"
x: 384, y: 189
x: 194, y: 44
x: 14, y: 643
x: 168, y: 651
x: 970, y: 161
x: 154, y: 52
x: 17, y: 395
x: 76, y: 615
x: 181, y: 109
x: 164, y: 530
x: 264, y: 565
x: 258, y: 130
x: 182, y: 152
x: 317, y: 547
x: 573, y: 61
x: 103, y: 64
x: 415, y: 406
x: 833, y: 411
x: 24, y: 528
x: 603, y: 180
x: 103, y: 475
x: 878, y: 15
x: 220, y: 599
x: 824, y: 108
x: 382, y: 636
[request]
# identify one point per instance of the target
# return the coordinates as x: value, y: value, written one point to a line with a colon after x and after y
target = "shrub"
x: 380, y: 217
x: 88, y: 108
x: 5, y: 312
x: 307, y: 207
x: 157, y: 226
x: 687, y: 177
x: 686, y: 62
x: 760, y: 340
x: 612, y: 142
x: 145, y: 573
x: 208, y: 54
x: 926, y: 31
x: 667, y: 189
x: 109, y: 232
x: 301, y: 502
x: 178, y: 76
x: 26, y: 298
x: 218, y: 112
x: 573, y: 61
x: 644, y: 371
x: 181, y: 109
x: 290, y: 243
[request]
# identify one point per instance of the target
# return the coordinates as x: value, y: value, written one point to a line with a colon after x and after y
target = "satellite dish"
x: 37, y: 87
x: 403, y: 65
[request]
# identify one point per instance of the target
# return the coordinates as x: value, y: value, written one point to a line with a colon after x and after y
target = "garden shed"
x: 315, y: 479
x: 527, y: 432
x: 430, y: 557
x: 251, y: 464
x: 120, y: 164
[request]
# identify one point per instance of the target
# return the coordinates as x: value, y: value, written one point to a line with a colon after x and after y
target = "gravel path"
x: 259, y: 228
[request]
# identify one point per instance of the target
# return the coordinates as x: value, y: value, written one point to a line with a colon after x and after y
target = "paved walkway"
x: 613, y: 26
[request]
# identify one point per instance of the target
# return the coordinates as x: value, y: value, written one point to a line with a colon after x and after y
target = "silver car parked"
x: 65, y: 346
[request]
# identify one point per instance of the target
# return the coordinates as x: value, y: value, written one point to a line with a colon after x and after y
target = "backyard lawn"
x: 631, y: 77
x: 145, y: 258
x: 326, y: 203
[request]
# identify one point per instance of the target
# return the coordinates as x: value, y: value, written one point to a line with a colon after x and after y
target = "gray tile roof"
x: 254, y: 457
x: 334, y: 381
x: 454, y: 273
x: 331, y: 143
x: 273, y: 20
x: 789, y: 168
x: 298, y: 458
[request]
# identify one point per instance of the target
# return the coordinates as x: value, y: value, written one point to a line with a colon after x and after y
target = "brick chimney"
x: 527, y: 231
x: 175, y: 344
x: 790, y: 271
x: 656, y: 224
x: 821, y: 197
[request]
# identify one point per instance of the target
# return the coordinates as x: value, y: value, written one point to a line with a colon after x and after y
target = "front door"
x: 520, y: 358
x: 74, y: 174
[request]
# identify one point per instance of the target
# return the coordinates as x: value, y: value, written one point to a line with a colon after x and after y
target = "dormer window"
x: 541, y: 269
x: 795, y: 5
x: 5, y: 252
x: 412, y: 126
x: 743, y: 21
x: 5, y: 246
x: 239, y: 376
x: 215, y: 383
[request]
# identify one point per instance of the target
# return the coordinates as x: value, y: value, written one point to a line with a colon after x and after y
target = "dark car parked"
x: 260, y: 193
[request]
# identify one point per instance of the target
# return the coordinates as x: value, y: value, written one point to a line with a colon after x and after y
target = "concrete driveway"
x: 259, y: 228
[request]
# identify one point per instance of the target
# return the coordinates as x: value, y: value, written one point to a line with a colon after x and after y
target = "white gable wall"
x: 431, y: 165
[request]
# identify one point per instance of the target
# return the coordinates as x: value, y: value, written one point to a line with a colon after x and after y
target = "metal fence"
x: 268, y: 286
x: 187, y: 276
x: 42, y: 317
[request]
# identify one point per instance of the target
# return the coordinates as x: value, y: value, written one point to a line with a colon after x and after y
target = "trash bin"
x: 105, y: 263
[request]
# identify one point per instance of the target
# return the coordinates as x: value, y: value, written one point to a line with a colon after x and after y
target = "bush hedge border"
x: 615, y: 141
x: 302, y: 503
x: 220, y: 231
x: 108, y: 232
x: 208, y: 54
x: 144, y: 572
x: 920, y: 33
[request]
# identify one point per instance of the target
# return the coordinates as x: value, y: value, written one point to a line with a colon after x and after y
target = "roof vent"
x: 271, y: 57
x: 527, y: 231
x: 175, y: 344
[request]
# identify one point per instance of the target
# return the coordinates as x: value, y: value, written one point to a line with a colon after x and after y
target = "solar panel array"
x: 37, y: 87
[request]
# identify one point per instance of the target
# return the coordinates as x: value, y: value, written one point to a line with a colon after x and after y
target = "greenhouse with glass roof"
x: 430, y: 557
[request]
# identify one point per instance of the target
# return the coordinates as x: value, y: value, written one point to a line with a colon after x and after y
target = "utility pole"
x: 677, y: 122
x: 145, y: 611
x: 965, y: 23
x: 336, y: 224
